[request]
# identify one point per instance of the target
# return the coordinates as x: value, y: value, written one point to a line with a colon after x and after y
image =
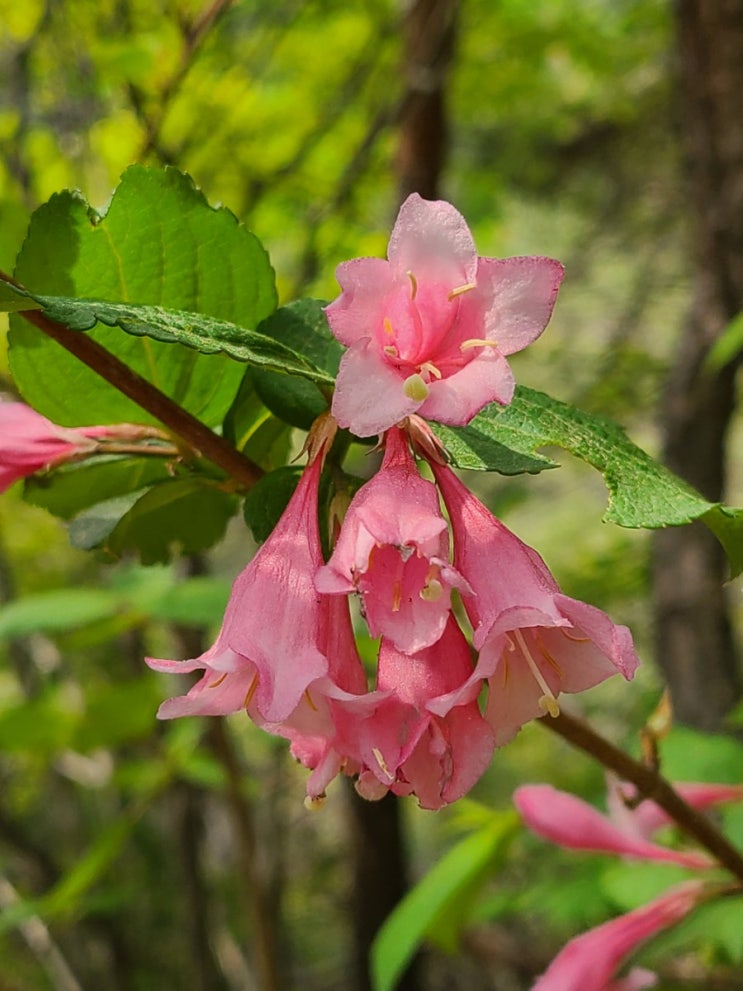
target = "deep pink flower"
x: 275, y: 633
x: 428, y: 330
x: 393, y: 549
x: 405, y: 737
x: 590, y: 961
x: 534, y: 642
x: 30, y: 442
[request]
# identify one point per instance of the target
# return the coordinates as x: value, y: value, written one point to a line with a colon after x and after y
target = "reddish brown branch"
x: 650, y: 784
x: 156, y: 403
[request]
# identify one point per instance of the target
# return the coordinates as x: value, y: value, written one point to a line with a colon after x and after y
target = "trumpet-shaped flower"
x: 30, y: 442
x: 590, y: 961
x: 405, y: 739
x: 429, y: 328
x: 534, y: 642
x: 274, y: 636
x: 393, y: 549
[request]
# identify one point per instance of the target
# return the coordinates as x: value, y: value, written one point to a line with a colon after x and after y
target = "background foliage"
x: 135, y: 855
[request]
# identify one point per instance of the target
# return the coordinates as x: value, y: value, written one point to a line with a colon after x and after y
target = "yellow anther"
x: 428, y: 366
x: 391, y: 350
x: 432, y: 591
x: 310, y: 703
x: 415, y: 388
x: 413, y: 284
x: 313, y: 804
x: 460, y: 290
x: 475, y: 342
x: 547, y: 702
x: 549, y: 705
x: 387, y: 324
x: 379, y: 757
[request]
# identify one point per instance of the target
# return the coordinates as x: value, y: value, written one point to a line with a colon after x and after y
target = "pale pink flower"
x: 428, y: 329
x: 273, y: 642
x: 405, y: 737
x: 590, y: 961
x: 393, y: 549
x: 30, y: 442
x: 534, y: 642
x: 574, y: 824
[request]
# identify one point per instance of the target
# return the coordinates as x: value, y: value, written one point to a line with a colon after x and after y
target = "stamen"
x: 313, y: 804
x: 432, y: 591
x: 415, y: 388
x: 310, y: 703
x: 379, y: 757
x: 396, y: 595
x: 413, y: 284
x: 218, y: 682
x: 428, y: 366
x: 388, y: 329
x: 251, y: 691
x: 391, y: 350
x: 476, y: 342
x: 574, y: 639
x: 460, y: 290
x: 547, y: 702
x: 549, y: 658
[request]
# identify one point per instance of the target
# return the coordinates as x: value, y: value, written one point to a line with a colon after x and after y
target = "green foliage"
x: 642, y: 493
x: 267, y: 500
x: 437, y: 906
x: 159, y: 244
x: 194, y: 330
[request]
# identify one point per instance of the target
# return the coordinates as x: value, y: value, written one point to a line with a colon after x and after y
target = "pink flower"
x: 30, y: 442
x: 275, y: 634
x: 534, y: 642
x: 572, y: 823
x: 405, y: 737
x: 393, y: 549
x: 428, y: 330
x: 590, y: 961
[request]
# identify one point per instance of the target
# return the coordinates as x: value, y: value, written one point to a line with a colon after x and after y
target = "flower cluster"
x: 590, y: 961
x: 427, y: 333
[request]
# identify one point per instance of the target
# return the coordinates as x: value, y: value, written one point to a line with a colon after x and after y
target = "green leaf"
x: 203, y: 333
x: 631, y: 885
x: 268, y: 498
x: 691, y: 755
x: 642, y: 492
x: 159, y: 244
x: 189, y: 515
x: 303, y: 327
x: 56, y: 612
x: 74, y: 487
x: 417, y: 914
x: 727, y: 347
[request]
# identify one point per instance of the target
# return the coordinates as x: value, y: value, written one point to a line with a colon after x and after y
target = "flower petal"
x: 431, y: 238
x: 369, y: 396
x: 457, y: 398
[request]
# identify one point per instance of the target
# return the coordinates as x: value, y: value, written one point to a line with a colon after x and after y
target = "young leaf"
x: 203, y: 333
x: 415, y: 916
x: 303, y: 327
x: 642, y: 492
x: 159, y: 244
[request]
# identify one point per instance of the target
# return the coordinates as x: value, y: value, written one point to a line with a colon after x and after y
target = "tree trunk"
x: 695, y: 644
x: 380, y: 863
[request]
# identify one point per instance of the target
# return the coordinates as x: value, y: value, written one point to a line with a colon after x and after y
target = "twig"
x: 177, y: 420
x: 650, y: 784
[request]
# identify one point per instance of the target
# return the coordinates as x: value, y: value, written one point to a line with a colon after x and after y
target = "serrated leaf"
x: 416, y: 915
x: 303, y: 327
x: 198, y: 331
x: 159, y: 244
x: 642, y: 492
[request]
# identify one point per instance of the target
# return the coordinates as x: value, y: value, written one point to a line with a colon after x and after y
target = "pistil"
x: 547, y: 702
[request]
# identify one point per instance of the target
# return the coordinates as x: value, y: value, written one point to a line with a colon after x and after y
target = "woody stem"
x: 650, y: 784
